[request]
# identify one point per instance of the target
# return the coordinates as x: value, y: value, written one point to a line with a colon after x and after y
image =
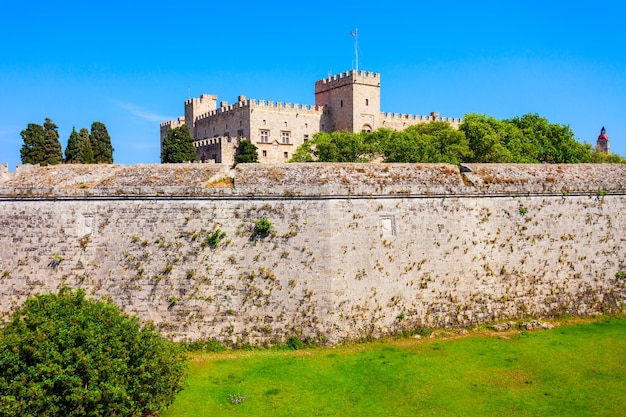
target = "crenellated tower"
x: 351, y: 100
x: 602, y: 144
x: 196, y: 106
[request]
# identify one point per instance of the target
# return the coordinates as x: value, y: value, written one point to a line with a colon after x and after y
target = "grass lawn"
x: 571, y: 370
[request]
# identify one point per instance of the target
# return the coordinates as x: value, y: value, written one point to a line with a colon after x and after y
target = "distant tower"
x: 602, y: 145
x: 351, y: 101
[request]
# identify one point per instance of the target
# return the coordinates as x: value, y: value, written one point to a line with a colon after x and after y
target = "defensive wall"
x: 357, y: 249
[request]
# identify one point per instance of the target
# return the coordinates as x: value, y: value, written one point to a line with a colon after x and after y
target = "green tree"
x: 247, y: 152
x: 85, y: 152
x: 337, y: 147
x: 63, y: 354
x: 101, y: 144
x: 178, y: 146
x: 433, y: 142
x: 78, y: 148
x: 486, y: 136
x: 71, y: 150
x: 41, y: 144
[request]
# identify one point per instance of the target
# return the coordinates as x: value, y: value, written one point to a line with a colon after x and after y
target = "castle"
x: 348, y: 101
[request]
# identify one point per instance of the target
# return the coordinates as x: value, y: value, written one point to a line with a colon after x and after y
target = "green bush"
x: 213, y: 239
x: 263, y: 227
x: 63, y: 354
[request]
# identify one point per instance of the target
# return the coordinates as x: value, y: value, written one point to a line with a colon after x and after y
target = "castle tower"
x: 195, y: 107
x: 602, y: 144
x: 351, y: 101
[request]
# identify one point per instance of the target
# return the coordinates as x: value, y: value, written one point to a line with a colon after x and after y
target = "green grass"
x: 571, y: 370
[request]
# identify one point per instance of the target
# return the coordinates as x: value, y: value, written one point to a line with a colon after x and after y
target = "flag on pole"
x: 353, y: 33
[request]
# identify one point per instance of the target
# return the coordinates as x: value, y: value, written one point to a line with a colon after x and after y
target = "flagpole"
x: 356, y: 48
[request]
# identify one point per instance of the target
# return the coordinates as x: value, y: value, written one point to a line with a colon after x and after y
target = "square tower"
x: 351, y: 101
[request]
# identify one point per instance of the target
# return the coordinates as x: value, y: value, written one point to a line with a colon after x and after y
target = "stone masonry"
x: 357, y: 250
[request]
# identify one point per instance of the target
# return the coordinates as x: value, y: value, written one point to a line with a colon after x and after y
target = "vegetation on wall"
x: 480, y: 139
x: 64, y: 354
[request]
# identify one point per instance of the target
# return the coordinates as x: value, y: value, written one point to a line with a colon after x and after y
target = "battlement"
x: 346, y: 78
x: 171, y: 124
x: 262, y: 104
x: 434, y: 117
x: 203, y: 99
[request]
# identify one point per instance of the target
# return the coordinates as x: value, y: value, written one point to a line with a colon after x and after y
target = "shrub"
x: 213, y: 239
x: 263, y: 227
x: 64, y: 354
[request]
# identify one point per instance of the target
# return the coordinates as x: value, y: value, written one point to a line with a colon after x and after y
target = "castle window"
x: 240, y: 123
x: 341, y: 103
x: 286, y: 155
x: 265, y: 134
x: 367, y: 101
x: 264, y: 154
x: 306, y: 137
x: 264, y: 122
x: 285, y: 124
x: 285, y: 136
x: 306, y: 125
x: 240, y: 133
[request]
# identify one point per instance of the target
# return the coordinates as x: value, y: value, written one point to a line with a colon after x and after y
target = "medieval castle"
x: 348, y: 101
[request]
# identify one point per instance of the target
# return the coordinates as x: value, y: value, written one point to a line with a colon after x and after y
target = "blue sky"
x: 131, y: 64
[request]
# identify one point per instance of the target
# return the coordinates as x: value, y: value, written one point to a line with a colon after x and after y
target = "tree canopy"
x: 247, y: 152
x: 178, y: 146
x: 78, y: 148
x: 101, y: 144
x: 64, y: 354
x: 480, y: 138
x: 41, y: 144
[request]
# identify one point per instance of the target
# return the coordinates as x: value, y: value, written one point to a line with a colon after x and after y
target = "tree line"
x: 479, y: 139
x: 42, y: 146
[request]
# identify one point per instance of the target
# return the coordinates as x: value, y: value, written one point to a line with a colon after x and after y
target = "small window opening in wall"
x: 306, y: 125
x: 341, y: 103
x: 264, y: 122
x: 286, y: 155
x: 264, y: 153
x: 285, y: 124
x: 240, y: 123
x: 367, y: 101
x: 306, y: 137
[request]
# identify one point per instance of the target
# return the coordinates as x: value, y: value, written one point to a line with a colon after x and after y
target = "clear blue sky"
x: 132, y: 64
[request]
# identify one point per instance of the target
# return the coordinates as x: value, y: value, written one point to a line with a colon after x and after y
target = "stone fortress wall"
x: 358, y: 250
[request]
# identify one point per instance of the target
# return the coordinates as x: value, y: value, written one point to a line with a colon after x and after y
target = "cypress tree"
x: 33, y: 148
x: 41, y: 144
x: 85, y: 150
x: 101, y: 144
x: 71, y: 150
x: 53, y: 149
x: 178, y: 146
